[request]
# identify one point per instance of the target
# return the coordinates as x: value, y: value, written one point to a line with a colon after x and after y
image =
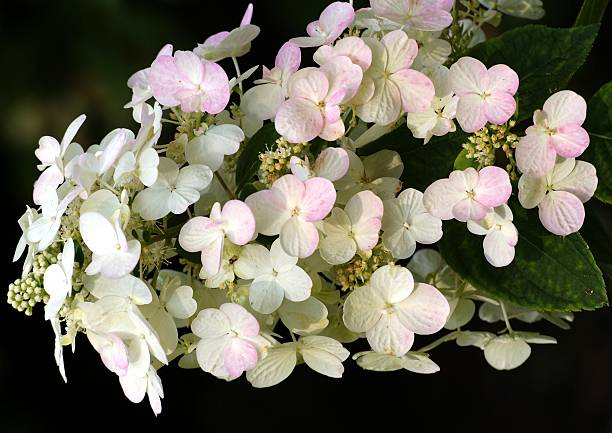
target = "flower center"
x: 295, y: 211
x: 471, y: 194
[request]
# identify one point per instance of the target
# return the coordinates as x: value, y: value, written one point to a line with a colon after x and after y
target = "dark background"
x: 63, y: 58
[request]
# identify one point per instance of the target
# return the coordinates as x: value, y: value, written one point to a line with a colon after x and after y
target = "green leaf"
x: 599, y: 152
x: 423, y: 163
x: 248, y: 161
x: 592, y: 12
x: 462, y: 162
x: 544, y: 58
x: 598, y: 235
x: 549, y: 272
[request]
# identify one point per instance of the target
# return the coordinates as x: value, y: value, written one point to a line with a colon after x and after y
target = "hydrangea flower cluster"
x: 149, y: 244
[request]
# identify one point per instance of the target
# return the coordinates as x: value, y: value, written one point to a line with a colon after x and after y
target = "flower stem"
x: 503, y: 309
x: 224, y: 185
x: 446, y: 338
x: 238, y: 74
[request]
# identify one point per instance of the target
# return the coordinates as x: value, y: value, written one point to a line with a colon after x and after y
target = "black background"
x: 62, y: 58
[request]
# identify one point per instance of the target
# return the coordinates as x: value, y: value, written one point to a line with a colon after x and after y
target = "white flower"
x: 230, y: 341
x: 378, y: 173
x: 53, y: 156
x: 136, y: 385
x: 57, y: 281
x: 414, y: 362
x: 500, y: 235
x: 332, y: 164
x: 305, y: 317
x: 113, y: 256
x: 323, y: 354
x: 438, y: 119
x: 507, y: 351
x: 211, y: 147
x: 406, y: 222
x: 43, y: 229
x: 25, y: 222
x: 391, y: 309
x: 173, y: 191
x: 353, y: 229
x: 275, y: 276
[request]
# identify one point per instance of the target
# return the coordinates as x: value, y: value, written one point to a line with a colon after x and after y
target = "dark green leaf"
x: 599, y: 152
x: 598, y: 234
x: 248, y: 161
x: 544, y: 59
x: 423, y: 163
x: 592, y: 12
x: 549, y: 272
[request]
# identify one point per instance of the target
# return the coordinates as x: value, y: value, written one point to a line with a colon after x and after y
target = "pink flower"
x: 229, y: 340
x: 207, y: 234
x: 315, y: 95
x: 389, y: 85
x: 188, y: 81
x: 426, y: 15
x: 352, y: 47
x: 334, y: 19
x: 263, y: 101
x: 484, y: 95
x: 332, y: 164
x: 290, y: 208
x: 112, y: 350
x: 556, y: 131
x: 560, y: 194
x: 468, y: 195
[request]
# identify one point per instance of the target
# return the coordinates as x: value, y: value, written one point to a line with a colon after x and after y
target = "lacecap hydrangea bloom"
x: 253, y: 222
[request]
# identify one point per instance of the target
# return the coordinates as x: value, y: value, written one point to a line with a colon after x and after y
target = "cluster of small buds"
x: 44, y: 259
x: 358, y: 271
x: 70, y: 222
x: 24, y: 293
x: 190, y: 268
x: 483, y: 144
x: 176, y: 149
x: 190, y: 124
x: 275, y: 162
x: 154, y: 255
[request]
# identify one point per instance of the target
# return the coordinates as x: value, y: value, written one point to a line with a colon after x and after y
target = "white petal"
x: 425, y: 311
x: 303, y: 318
x: 390, y: 336
x: 266, y: 294
x: 181, y: 303
x: 281, y: 261
x: 497, y: 250
x: 254, y: 261
x: 506, y: 352
x: 275, y: 367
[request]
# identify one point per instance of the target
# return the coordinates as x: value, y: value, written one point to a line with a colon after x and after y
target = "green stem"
x: 448, y: 337
x: 224, y: 185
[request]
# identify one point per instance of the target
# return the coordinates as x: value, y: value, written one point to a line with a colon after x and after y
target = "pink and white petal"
x: 366, y: 232
x: 310, y: 84
x: 570, y: 141
x: 393, y: 283
x: 400, y: 242
x: 215, y: 88
x: 561, y: 213
x: 189, y: 66
x: 499, y: 108
x: 332, y: 163
x: 318, y: 199
x: 299, y: 120
x: 356, y: 50
x: 502, y: 79
x: 468, y: 75
x: 197, y: 234
x: 535, y: 155
x: 241, y: 321
x: 280, y: 260
x: 565, y: 108
x: 390, y: 336
x: 532, y: 191
x: 471, y: 113
x: 335, y: 18
x: 344, y: 79
x: 440, y: 197
x: 362, y: 309
x: 426, y: 228
x: 49, y: 180
x: 432, y: 19
x: 248, y: 15
x: 209, y: 353
x: 425, y: 311
x: 300, y: 168
x: 581, y: 182
x: 239, y: 222
x: 48, y: 150
x: 266, y: 294
x: 401, y: 51
x: 270, y: 210
x: 392, y: 9
x: 416, y: 89
x: 212, y: 254
x: 71, y: 131
x: 497, y: 250
x: 298, y: 237
x: 164, y: 80
x: 494, y: 188
x: 332, y: 131
x: 364, y: 206
x: 296, y: 284
x: 469, y: 209
x: 239, y: 355
x: 288, y: 58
